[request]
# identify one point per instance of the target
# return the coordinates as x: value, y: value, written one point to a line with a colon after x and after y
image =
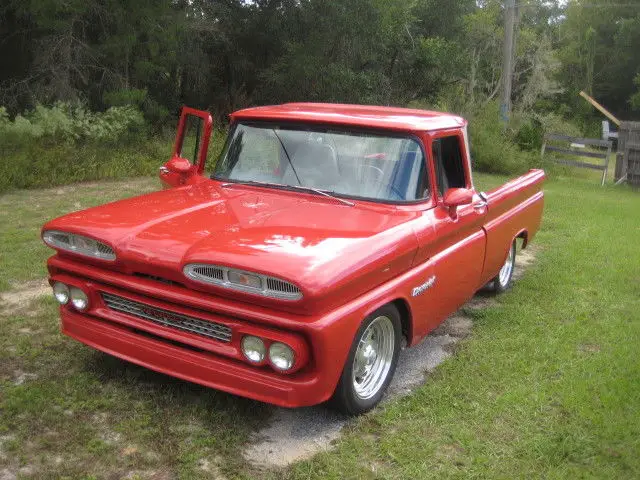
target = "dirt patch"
x: 134, y: 183
x: 6, y: 474
x: 23, y: 377
x: 524, y: 260
x: 457, y: 325
x: 589, y: 348
x: 22, y: 295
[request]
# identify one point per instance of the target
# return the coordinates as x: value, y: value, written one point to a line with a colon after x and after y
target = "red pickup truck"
x: 324, y: 239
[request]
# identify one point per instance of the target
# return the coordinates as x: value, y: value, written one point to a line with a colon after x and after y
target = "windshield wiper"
x: 325, y: 193
x: 287, y: 154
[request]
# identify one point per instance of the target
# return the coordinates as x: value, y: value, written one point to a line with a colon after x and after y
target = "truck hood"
x: 311, y: 241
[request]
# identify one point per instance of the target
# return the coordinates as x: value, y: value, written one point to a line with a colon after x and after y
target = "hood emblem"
x: 420, y: 289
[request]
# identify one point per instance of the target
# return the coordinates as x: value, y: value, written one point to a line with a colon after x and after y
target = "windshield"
x: 333, y: 159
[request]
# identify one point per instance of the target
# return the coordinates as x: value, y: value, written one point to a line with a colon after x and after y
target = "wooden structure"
x: 628, y: 156
x: 628, y: 153
x: 600, y: 108
x: 577, y: 148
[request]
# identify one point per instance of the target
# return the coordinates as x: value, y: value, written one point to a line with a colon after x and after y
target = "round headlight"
x: 253, y: 348
x: 281, y: 356
x: 79, y: 299
x: 61, y: 292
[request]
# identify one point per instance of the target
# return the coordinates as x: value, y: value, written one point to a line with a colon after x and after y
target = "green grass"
x: 546, y: 386
x: 22, y: 214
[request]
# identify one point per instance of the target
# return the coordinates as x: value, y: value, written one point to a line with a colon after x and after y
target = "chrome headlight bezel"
x: 86, y: 246
x: 270, y: 287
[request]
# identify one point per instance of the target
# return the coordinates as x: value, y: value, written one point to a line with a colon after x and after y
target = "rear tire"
x: 371, y: 363
x: 503, y: 280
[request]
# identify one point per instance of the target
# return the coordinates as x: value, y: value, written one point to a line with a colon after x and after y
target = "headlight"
x: 249, y: 282
x: 253, y: 348
x: 61, y: 292
x: 281, y: 356
x: 79, y: 299
x: 78, y: 244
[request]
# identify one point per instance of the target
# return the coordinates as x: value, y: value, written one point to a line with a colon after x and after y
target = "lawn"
x: 548, y: 384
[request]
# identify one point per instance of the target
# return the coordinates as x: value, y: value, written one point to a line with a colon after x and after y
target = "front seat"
x: 317, y: 167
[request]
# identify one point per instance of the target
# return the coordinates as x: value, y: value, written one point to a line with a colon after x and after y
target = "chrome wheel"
x: 373, y: 357
x: 507, y: 269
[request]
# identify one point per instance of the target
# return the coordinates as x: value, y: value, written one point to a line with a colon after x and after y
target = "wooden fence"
x: 628, y: 156
x: 577, y: 148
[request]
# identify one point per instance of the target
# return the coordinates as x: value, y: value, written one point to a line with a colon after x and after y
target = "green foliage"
x: 137, y: 62
x: 529, y: 129
x: 38, y: 165
x: 493, y: 149
x: 68, y: 123
x: 599, y: 54
x: 125, y: 96
x: 67, y: 143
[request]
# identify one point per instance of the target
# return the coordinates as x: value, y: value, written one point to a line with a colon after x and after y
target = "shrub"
x: 67, y: 123
x: 37, y: 165
x: 493, y: 147
x: 67, y: 143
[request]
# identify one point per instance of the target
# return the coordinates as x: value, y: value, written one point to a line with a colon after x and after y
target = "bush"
x: 67, y: 123
x: 494, y: 148
x: 154, y: 113
x: 38, y: 165
x: 67, y: 143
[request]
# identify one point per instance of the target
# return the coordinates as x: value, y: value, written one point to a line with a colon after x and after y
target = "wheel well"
x: 405, y: 318
x: 525, y: 238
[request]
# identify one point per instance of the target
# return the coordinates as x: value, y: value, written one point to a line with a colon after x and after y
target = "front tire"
x: 371, y: 363
x: 503, y: 280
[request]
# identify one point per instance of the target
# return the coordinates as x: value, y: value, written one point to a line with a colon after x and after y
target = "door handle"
x: 480, y: 205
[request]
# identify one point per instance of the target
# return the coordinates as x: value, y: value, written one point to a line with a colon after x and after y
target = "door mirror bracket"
x: 454, y: 198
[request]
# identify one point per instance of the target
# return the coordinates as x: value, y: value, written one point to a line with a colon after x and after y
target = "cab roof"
x: 395, y: 118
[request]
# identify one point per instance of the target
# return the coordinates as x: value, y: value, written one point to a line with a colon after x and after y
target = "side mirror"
x: 176, y: 172
x: 455, y: 197
x: 178, y: 165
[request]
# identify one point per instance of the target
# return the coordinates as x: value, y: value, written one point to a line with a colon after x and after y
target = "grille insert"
x: 167, y: 318
x: 217, y: 275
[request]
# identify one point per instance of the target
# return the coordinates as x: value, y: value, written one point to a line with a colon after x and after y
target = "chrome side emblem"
x: 420, y: 289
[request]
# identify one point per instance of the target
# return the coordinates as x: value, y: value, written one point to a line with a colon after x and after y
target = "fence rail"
x: 576, y: 149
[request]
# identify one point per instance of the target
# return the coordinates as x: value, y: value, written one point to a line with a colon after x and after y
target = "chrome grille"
x: 166, y: 318
x: 105, y: 249
x: 209, y: 272
x: 276, y: 285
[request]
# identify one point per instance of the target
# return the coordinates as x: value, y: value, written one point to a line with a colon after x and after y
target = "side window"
x: 449, y: 164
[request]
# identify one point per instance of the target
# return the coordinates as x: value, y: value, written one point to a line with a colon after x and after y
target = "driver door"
x: 456, y: 246
x: 190, y: 149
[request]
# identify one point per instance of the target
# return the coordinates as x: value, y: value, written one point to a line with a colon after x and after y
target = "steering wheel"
x: 376, y: 181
